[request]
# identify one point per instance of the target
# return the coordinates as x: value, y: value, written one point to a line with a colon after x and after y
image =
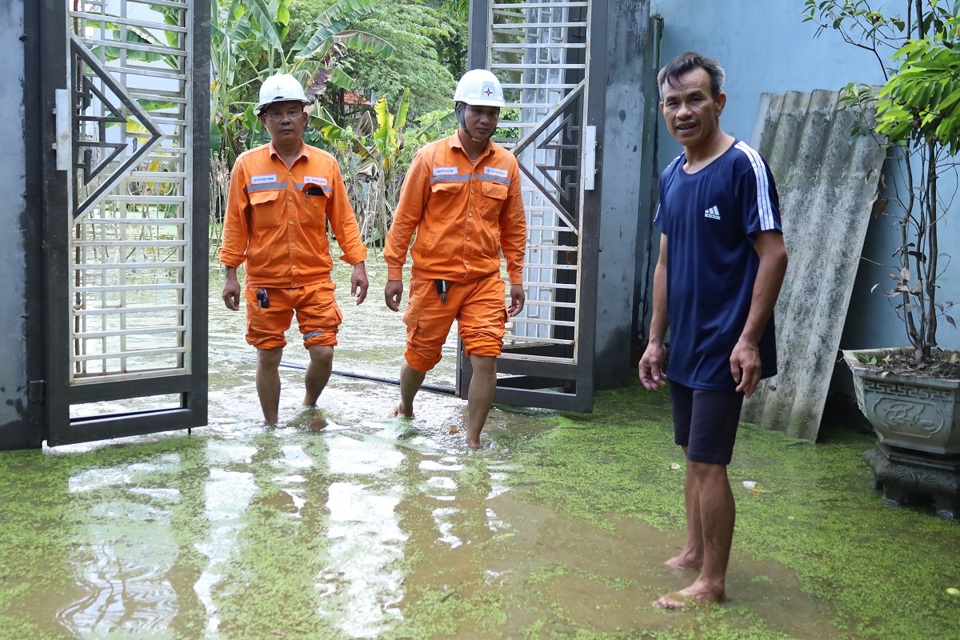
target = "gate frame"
x: 33, y: 122
x: 531, y: 376
x: 49, y: 385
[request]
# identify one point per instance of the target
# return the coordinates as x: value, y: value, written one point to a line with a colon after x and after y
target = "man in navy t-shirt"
x: 719, y: 216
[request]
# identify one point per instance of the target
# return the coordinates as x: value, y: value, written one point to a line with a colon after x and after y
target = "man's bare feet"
x: 474, y: 443
x: 695, y: 594
x: 317, y: 424
x: 309, y: 417
x: 401, y: 412
x: 685, y: 561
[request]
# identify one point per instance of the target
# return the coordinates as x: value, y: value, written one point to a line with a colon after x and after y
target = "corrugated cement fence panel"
x: 827, y: 182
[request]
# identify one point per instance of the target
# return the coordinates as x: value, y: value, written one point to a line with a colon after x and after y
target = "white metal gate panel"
x: 540, y: 52
x: 124, y: 139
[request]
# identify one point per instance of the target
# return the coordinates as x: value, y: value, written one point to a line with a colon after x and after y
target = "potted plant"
x: 911, y: 395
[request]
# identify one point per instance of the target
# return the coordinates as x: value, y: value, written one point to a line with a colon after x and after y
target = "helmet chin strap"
x: 463, y: 123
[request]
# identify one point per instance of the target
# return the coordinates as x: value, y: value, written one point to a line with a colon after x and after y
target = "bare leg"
x: 410, y: 381
x: 691, y: 556
x: 483, y: 385
x: 268, y: 382
x: 717, y: 517
x: 318, y: 373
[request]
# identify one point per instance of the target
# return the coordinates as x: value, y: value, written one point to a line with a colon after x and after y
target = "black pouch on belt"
x: 442, y: 290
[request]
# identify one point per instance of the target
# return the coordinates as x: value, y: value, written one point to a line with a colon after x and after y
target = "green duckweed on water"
x: 268, y: 534
x: 884, y: 570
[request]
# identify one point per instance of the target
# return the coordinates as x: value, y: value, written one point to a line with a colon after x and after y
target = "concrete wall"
x: 13, y: 269
x: 625, y: 154
x: 765, y: 46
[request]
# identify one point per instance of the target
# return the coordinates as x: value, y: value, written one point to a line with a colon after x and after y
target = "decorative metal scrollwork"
x: 94, y: 155
x: 559, y: 133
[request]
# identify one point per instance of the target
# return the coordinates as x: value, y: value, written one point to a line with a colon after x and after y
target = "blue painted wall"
x: 764, y: 46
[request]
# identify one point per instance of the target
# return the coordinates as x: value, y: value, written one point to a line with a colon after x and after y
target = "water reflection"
x: 362, y: 584
x: 371, y: 527
x: 226, y: 497
x: 124, y: 550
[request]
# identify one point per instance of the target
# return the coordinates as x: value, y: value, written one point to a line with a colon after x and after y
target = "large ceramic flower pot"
x: 915, y: 412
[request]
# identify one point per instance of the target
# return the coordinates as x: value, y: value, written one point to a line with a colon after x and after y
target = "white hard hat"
x: 280, y: 87
x: 480, y: 88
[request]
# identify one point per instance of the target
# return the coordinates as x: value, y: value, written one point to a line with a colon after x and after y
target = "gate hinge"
x: 37, y: 391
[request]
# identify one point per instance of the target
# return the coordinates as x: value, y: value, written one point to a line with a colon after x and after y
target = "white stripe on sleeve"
x: 764, y: 203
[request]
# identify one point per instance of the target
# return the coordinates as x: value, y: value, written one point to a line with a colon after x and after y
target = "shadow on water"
x: 373, y: 526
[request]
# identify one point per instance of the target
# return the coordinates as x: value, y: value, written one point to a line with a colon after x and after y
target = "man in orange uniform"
x: 462, y: 198
x: 282, y: 195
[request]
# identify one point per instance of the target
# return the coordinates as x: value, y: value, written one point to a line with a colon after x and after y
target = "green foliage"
x: 812, y: 515
x: 917, y: 115
x: 922, y: 100
x: 252, y: 39
x: 421, y: 34
x: 428, y: 47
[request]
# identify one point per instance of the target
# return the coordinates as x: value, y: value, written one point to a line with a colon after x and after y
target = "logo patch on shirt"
x: 492, y: 171
x: 315, y: 180
x: 444, y: 171
x: 713, y: 213
x: 264, y: 179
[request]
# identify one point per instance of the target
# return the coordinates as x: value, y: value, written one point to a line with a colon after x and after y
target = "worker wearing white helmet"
x: 477, y: 88
x: 282, y: 196
x: 462, y: 199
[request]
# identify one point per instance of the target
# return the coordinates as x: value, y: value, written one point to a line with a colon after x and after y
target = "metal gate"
x: 125, y: 239
x: 540, y: 50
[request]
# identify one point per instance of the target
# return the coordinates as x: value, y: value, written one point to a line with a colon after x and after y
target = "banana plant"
x: 247, y: 45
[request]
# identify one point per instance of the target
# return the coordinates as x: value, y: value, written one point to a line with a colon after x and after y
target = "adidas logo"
x: 713, y: 213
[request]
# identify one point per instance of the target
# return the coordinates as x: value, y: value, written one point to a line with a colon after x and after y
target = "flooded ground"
x: 383, y: 528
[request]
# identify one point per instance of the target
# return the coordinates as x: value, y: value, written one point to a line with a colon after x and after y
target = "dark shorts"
x: 705, y: 422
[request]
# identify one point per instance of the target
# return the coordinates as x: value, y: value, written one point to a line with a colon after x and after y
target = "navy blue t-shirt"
x: 710, y: 218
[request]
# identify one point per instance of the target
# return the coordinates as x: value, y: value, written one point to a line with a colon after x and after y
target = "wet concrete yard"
x: 376, y: 527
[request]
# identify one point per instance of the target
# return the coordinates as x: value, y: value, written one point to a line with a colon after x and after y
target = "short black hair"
x: 686, y: 62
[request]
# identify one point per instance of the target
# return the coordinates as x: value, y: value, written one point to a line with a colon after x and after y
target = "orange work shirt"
x: 280, y: 231
x: 464, y: 215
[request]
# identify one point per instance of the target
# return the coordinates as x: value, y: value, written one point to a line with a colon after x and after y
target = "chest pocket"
x: 494, y: 194
x: 313, y: 207
x: 446, y: 197
x: 266, y: 212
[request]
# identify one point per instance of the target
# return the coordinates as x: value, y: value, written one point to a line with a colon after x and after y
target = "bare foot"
x: 400, y: 412
x: 696, y: 593
x: 310, y: 417
x: 317, y: 424
x: 685, y: 561
x: 473, y: 437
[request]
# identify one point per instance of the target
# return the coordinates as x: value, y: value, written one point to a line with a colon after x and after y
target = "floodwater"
x: 374, y: 527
